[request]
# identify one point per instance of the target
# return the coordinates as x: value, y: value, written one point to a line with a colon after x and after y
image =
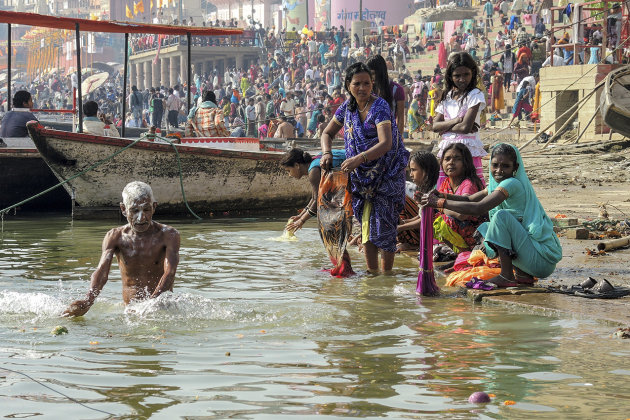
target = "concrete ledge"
x: 610, y: 311
x: 478, y: 295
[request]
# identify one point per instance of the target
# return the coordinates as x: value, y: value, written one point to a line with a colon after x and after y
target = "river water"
x: 256, y: 330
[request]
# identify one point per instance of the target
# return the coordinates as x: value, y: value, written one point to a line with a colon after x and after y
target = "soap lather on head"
x: 135, y: 191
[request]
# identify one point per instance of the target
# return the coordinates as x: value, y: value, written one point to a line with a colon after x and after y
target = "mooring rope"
x: 58, y: 392
x: 95, y: 165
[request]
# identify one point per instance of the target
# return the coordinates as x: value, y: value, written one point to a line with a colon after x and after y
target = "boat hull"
x: 615, y: 101
x: 214, y: 180
x: 23, y: 174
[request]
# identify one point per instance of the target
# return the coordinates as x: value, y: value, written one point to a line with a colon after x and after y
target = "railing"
x: 149, y: 43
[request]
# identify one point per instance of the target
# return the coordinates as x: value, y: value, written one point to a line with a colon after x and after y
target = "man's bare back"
x: 147, y: 253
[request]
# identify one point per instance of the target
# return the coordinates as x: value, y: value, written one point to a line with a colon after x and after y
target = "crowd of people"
x: 295, y: 87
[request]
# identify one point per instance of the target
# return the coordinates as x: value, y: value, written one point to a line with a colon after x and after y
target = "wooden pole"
x: 9, y: 54
x: 79, y: 93
x: 189, y: 72
x: 124, y: 92
x: 599, y: 85
x: 613, y: 244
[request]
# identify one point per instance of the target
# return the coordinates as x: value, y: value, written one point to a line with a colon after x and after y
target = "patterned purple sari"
x: 380, y: 181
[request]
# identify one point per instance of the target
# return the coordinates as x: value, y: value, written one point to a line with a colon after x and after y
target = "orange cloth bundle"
x: 482, y: 267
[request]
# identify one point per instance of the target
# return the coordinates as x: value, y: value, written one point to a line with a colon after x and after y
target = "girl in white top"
x: 459, y: 109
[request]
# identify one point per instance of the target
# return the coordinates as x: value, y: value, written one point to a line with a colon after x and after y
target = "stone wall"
x: 579, y: 81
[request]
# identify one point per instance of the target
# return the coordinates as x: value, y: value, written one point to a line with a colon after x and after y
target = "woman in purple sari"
x: 376, y: 160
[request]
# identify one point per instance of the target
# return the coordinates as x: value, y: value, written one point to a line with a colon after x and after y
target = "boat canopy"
x: 46, y: 21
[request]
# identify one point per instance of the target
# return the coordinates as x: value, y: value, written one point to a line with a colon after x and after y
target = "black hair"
x: 90, y: 109
x: 460, y: 59
x: 209, y: 95
x: 381, y: 79
x: 505, y: 150
x: 470, y: 171
x: 353, y: 69
x: 296, y: 155
x: 20, y: 98
x: 429, y: 164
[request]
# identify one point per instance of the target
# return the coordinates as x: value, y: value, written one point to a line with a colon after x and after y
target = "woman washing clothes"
x: 299, y: 164
x: 519, y: 230
x: 375, y: 159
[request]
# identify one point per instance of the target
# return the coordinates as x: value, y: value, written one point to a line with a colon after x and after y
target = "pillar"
x: 139, y: 76
x: 267, y: 15
x: 239, y: 61
x: 155, y: 80
x: 164, y: 64
x: 132, y: 75
x: 183, y: 69
x: 148, y: 74
x: 173, y: 71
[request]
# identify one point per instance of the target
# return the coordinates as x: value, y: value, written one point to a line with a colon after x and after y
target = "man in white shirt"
x: 557, y: 61
x: 173, y: 103
x: 250, y: 112
x: 308, y: 74
x: 312, y: 49
x: 517, y: 7
x: 288, y: 106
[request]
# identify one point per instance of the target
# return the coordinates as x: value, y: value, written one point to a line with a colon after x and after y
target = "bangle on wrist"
x: 326, y: 153
x: 440, y: 204
x: 364, y: 156
x: 311, y: 212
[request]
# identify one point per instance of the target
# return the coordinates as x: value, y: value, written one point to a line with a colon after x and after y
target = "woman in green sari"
x: 415, y: 116
x: 519, y: 230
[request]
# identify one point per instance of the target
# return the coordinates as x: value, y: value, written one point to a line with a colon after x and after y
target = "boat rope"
x: 181, y: 177
x: 100, y: 162
x: 58, y: 392
x: 95, y: 165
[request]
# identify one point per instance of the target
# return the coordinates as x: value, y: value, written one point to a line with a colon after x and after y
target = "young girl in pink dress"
x: 458, y: 111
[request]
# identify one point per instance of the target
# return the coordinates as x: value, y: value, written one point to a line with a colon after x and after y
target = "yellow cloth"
x: 537, y: 100
x: 365, y: 222
x: 443, y: 233
x: 432, y: 95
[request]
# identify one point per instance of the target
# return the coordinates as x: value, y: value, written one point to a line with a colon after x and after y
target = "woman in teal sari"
x: 519, y: 230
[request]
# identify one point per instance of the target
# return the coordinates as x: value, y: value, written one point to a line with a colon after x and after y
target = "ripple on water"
x: 548, y: 376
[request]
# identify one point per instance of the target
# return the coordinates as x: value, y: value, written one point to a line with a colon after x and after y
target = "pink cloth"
x: 461, y: 262
x: 450, y: 26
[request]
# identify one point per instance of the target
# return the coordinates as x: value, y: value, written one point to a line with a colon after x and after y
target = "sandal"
x: 587, y: 284
x: 604, y: 290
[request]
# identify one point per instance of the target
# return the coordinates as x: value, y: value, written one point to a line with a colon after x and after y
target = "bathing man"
x: 147, y: 252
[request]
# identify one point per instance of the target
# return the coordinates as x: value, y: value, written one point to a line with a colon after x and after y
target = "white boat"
x: 215, y: 180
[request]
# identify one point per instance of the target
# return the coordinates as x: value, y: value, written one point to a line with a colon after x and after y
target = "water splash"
x: 40, y: 304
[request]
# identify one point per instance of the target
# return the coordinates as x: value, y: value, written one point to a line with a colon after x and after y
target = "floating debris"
x: 59, y: 329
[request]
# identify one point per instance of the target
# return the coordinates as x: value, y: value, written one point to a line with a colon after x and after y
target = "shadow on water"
x: 256, y: 329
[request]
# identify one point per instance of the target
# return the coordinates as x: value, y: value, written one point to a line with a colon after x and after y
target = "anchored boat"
x: 214, y: 179
x: 615, y: 101
x: 24, y: 174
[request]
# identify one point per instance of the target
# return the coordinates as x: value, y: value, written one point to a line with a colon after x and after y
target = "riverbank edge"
x: 614, y: 312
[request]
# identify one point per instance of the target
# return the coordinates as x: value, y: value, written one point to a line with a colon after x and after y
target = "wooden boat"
x: 24, y: 174
x: 615, y: 101
x: 215, y: 180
